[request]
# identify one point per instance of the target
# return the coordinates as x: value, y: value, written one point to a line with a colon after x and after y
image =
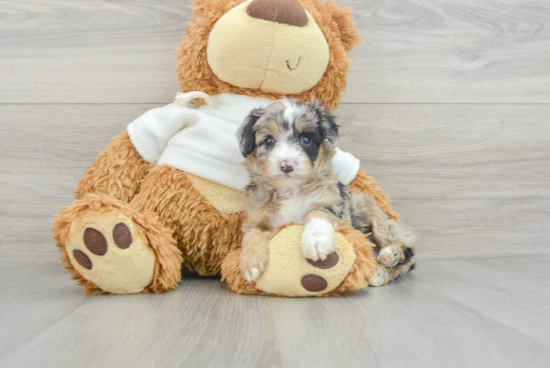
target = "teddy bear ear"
x: 343, y: 17
x: 211, y: 7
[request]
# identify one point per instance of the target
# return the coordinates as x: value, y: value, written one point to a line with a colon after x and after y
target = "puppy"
x: 288, y: 148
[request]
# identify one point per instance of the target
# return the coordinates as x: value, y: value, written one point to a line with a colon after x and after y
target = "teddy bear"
x: 166, y: 196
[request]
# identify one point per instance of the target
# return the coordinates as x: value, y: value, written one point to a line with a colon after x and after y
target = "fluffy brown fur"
x: 168, y: 258
x: 364, y: 265
x: 117, y: 171
x: 337, y: 26
x: 202, y: 233
x: 121, y: 172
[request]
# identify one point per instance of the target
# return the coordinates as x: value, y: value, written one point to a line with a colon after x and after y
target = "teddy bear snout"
x: 288, y: 12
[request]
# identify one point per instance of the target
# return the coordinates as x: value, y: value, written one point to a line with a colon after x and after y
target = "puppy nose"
x: 287, y: 166
x: 281, y: 11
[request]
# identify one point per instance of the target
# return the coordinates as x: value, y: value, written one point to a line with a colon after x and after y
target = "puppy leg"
x: 397, y: 243
x: 318, y: 235
x: 254, y: 254
x: 382, y: 274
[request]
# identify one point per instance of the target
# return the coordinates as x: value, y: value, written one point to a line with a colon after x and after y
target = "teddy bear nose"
x: 281, y: 11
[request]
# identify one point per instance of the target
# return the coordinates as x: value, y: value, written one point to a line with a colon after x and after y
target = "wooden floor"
x: 447, y: 313
x: 447, y: 106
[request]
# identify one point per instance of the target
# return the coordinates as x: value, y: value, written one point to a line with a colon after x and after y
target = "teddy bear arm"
x: 117, y: 171
x: 365, y: 183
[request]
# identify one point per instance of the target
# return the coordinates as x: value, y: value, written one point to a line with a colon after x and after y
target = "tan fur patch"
x: 273, y: 129
x: 320, y: 158
x: 226, y: 200
x: 301, y: 126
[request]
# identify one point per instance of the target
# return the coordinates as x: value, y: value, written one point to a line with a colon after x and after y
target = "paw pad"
x: 312, y: 282
x: 331, y: 261
x: 83, y: 259
x: 122, y: 236
x: 95, y: 241
x: 105, y: 250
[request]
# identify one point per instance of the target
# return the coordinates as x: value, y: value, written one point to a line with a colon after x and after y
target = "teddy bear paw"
x: 290, y: 273
x: 106, y: 250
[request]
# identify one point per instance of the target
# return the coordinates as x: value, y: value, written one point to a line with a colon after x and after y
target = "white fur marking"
x: 290, y: 110
x: 286, y: 151
x: 318, y: 239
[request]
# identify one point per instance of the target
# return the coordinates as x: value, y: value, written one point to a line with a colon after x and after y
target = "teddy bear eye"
x: 269, y: 141
x: 305, y: 141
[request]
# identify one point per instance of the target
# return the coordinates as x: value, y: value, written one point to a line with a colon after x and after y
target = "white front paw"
x: 318, y: 239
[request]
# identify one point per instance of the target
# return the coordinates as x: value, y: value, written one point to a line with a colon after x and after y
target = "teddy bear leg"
x: 202, y: 232
x: 111, y: 248
x: 107, y: 246
x: 117, y: 172
x: 290, y: 273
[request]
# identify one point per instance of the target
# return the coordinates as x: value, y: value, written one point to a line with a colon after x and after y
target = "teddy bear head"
x: 268, y: 48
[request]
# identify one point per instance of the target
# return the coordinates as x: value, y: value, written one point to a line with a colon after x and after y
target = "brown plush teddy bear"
x: 168, y: 193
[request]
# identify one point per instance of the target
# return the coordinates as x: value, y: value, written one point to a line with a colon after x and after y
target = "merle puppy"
x: 288, y: 148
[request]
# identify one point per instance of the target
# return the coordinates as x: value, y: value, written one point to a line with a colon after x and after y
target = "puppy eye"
x: 305, y: 141
x: 269, y: 141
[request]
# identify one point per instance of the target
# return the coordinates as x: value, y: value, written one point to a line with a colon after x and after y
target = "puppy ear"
x: 327, y: 123
x: 246, y: 135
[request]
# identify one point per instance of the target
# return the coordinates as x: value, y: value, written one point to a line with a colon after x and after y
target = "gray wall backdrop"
x: 448, y: 106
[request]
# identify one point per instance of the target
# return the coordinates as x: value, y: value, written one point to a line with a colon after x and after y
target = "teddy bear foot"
x: 290, y: 273
x: 111, y: 248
